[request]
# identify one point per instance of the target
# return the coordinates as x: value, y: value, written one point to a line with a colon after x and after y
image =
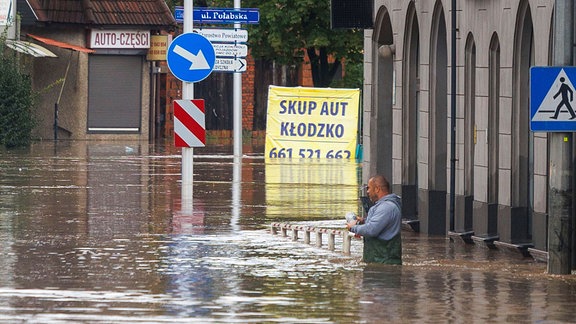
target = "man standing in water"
x: 381, y: 229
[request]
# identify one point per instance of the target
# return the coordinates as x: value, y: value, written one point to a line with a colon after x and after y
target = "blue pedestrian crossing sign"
x: 191, y: 57
x: 552, y: 105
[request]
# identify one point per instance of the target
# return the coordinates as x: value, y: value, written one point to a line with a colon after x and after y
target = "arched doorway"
x: 463, y: 221
x: 433, y: 221
x: 491, y: 226
x: 380, y: 132
x: 410, y: 111
x: 515, y: 227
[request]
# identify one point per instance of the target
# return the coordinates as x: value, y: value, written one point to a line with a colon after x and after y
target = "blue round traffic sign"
x: 191, y: 57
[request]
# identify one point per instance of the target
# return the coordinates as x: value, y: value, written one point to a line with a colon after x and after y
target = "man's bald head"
x: 378, y: 187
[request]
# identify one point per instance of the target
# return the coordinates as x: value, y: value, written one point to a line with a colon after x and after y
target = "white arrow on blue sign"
x: 552, y: 105
x: 191, y: 57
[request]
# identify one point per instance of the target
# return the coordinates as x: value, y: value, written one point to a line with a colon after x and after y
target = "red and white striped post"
x: 189, y: 123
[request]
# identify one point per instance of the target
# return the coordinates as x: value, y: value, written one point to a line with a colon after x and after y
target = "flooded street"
x: 95, y: 232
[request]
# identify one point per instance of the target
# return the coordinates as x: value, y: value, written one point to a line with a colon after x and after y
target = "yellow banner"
x: 312, y: 123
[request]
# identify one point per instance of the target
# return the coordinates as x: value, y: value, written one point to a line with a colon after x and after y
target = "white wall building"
x: 501, y: 166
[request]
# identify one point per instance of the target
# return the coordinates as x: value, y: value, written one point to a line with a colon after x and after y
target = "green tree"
x: 290, y: 28
x: 16, y: 102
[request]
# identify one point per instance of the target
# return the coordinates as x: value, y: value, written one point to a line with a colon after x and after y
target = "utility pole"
x: 188, y: 93
x: 237, y: 101
x: 453, y: 116
x: 561, y: 156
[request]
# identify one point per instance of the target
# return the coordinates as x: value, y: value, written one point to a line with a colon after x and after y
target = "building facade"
x: 501, y: 167
x: 100, y: 85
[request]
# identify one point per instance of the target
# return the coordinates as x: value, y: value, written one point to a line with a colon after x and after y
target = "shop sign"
x: 120, y: 38
x: 158, y: 47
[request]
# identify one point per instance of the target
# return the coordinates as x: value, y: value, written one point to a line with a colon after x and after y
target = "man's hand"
x: 350, y: 224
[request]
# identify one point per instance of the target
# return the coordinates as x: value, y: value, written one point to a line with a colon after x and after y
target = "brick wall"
x: 305, y: 77
x: 173, y: 92
x: 248, y: 94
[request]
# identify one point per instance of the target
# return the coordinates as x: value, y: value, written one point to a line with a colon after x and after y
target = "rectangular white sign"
x: 230, y: 65
x: 230, y: 50
x: 5, y: 12
x: 224, y: 35
x: 120, y: 38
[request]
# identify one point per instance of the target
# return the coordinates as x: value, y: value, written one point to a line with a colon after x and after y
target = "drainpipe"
x: 453, y: 117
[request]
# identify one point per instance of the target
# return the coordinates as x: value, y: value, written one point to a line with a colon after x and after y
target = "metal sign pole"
x: 560, y: 198
x: 187, y: 93
x: 237, y: 102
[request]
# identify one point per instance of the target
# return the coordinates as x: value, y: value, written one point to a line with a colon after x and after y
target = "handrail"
x: 307, y: 230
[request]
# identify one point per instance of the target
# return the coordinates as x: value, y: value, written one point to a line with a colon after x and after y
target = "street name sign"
x: 229, y: 35
x: 191, y: 57
x: 552, y: 105
x: 230, y: 64
x: 220, y: 15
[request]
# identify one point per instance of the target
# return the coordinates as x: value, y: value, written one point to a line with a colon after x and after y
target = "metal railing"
x: 319, y: 234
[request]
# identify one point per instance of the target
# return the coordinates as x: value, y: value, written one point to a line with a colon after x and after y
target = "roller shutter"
x: 115, y: 94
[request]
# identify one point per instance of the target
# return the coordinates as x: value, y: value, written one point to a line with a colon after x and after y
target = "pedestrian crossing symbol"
x: 552, y: 105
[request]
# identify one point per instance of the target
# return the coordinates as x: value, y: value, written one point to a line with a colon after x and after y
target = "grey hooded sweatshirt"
x: 384, y: 219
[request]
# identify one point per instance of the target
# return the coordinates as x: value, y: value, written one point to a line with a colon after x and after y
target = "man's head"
x: 378, y: 187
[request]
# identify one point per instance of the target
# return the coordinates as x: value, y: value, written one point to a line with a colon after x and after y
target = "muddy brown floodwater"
x: 95, y: 232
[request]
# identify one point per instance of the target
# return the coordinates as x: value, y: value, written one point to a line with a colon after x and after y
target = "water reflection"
x: 311, y: 188
x: 96, y: 232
